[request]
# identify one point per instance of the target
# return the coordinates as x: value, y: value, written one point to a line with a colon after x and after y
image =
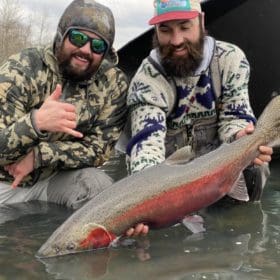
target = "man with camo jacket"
x: 62, y: 110
x: 190, y: 91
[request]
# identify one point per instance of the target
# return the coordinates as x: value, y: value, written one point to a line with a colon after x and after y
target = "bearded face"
x: 73, y: 72
x: 181, y: 66
x: 78, y: 63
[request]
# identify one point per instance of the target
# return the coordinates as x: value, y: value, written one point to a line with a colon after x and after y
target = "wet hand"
x: 57, y: 116
x: 139, y: 229
x: 21, y: 169
x: 264, y: 156
x: 265, y: 151
x: 249, y: 129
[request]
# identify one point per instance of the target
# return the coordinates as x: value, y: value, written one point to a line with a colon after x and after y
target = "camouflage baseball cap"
x: 87, y: 15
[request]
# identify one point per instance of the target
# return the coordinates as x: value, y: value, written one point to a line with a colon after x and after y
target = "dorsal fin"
x: 181, y: 156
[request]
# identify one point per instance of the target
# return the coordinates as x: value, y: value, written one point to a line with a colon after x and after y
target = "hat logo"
x: 172, y: 3
x: 169, y: 5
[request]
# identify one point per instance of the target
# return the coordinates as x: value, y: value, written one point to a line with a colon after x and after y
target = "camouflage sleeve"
x: 17, y: 135
x: 98, y: 143
x: 235, y: 110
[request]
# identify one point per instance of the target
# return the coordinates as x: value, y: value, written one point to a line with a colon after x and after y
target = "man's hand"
x: 21, y: 169
x: 139, y: 229
x: 265, y: 151
x: 57, y: 116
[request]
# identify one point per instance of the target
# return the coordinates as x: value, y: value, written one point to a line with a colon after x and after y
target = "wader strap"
x: 216, y: 74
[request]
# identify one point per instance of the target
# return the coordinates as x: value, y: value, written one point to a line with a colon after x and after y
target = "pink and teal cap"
x: 166, y: 10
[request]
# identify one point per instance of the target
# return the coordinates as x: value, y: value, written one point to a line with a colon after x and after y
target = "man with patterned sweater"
x: 62, y: 110
x: 191, y: 91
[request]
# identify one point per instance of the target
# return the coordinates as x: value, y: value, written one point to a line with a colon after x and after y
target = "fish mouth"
x: 45, y: 254
x: 41, y: 254
x: 47, y: 251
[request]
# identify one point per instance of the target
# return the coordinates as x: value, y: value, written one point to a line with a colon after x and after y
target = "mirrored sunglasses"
x: 79, y: 39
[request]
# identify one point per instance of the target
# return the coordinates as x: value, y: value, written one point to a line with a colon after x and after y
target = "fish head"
x: 79, y: 238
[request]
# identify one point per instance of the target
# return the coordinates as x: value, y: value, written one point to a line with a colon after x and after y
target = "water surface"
x: 241, y: 242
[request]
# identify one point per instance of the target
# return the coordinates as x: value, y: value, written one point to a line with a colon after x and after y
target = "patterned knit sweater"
x: 150, y: 97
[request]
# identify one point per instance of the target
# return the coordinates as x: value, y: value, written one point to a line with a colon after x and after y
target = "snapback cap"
x: 166, y: 10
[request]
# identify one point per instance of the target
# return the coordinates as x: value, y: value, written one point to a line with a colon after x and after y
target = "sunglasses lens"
x: 77, y: 38
x: 98, y: 46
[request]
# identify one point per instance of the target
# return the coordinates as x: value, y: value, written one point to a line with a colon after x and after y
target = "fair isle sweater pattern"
x: 148, y: 100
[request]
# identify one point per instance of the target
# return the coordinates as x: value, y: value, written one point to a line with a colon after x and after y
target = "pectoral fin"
x: 239, y: 190
x: 194, y: 223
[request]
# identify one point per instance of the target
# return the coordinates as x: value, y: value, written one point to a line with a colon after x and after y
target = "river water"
x: 241, y: 241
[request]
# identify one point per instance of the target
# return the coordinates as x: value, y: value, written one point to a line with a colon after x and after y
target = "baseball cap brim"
x: 173, y: 16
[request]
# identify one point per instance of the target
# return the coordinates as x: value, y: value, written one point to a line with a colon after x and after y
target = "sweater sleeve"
x: 235, y: 111
x: 149, y: 102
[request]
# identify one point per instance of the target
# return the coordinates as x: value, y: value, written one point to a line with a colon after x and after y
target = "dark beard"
x: 181, y: 66
x: 71, y: 73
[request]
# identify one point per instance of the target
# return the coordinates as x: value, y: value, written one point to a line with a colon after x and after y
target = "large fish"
x: 164, y: 194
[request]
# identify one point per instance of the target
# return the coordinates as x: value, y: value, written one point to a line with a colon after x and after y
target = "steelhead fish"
x: 164, y: 194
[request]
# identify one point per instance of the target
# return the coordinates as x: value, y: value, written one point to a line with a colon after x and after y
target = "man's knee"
x: 74, y: 188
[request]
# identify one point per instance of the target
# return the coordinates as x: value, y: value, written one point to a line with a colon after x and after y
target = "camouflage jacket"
x: 26, y: 80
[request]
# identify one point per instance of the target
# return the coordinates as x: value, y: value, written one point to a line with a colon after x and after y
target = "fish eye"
x: 57, y: 249
x: 70, y: 247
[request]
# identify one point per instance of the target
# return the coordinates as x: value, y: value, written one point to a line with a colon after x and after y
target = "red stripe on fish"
x: 165, y: 208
